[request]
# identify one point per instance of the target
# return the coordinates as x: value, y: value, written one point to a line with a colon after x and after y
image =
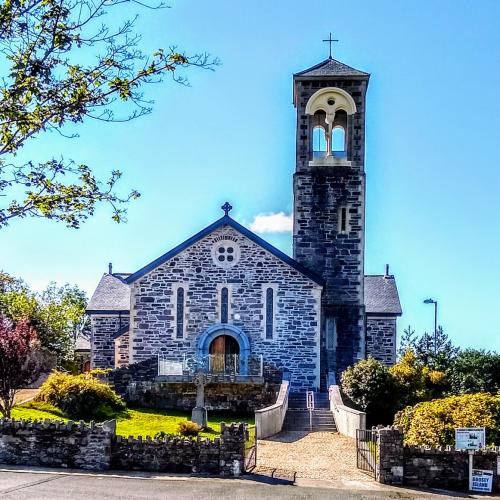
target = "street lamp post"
x: 431, y: 301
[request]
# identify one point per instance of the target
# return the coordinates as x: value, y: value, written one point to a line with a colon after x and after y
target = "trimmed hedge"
x: 81, y: 397
x: 433, y: 423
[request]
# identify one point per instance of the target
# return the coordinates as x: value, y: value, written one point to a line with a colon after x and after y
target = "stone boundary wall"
x: 97, y: 447
x: 426, y: 467
x: 53, y: 443
x: 269, y: 420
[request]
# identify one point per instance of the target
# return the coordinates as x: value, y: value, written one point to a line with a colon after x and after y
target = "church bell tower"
x: 329, y: 202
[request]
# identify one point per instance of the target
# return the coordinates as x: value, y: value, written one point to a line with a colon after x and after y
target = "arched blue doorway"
x: 211, y: 334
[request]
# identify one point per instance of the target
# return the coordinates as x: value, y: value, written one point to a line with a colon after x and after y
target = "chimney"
x: 110, y: 268
x: 386, y: 271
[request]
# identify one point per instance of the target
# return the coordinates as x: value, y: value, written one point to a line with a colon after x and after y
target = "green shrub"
x: 81, y: 396
x: 433, y: 423
x: 372, y: 389
x: 188, y: 428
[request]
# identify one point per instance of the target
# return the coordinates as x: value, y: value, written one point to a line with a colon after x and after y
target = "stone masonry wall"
x: 96, y: 447
x: 381, y: 338
x: 56, y: 444
x: 295, y: 344
x: 223, y: 456
x: 104, y: 326
x: 319, y: 192
x: 425, y: 467
x: 238, y: 398
x: 122, y: 347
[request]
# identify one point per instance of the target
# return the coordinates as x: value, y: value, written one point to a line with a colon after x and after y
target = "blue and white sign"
x: 482, y: 480
x: 470, y: 438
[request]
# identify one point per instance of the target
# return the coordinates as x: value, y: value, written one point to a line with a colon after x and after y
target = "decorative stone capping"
x: 96, y: 447
x: 269, y: 421
x: 347, y: 419
x: 429, y: 467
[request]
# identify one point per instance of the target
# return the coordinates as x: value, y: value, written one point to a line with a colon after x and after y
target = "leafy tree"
x: 62, y: 64
x: 57, y: 314
x: 21, y: 360
x: 372, y: 389
x: 436, y: 351
x: 475, y: 371
x: 407, y: 341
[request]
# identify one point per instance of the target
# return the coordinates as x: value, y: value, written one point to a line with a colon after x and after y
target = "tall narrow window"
x: 319, y: 142
x: 331, y: 333
x: 179, y: 327
x: 338, y: 139
x: 269, y: 313
x: 224, y: 305
x: 343, y: 219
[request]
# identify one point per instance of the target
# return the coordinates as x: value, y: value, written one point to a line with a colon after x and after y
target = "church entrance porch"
x: 224, y: 356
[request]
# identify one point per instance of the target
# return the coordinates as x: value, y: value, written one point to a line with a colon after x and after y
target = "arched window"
x: 319, y: 141
x: 224, y: 305
x: 269, y: 312
x: 179, y: 327
x: 338, y: 140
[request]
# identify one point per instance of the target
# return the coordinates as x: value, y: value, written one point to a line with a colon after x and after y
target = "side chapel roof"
x: 381, y: 295
x: 112, y: 295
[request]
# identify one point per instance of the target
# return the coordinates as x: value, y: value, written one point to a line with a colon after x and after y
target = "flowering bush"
x: 416, y: 382
x: 433, y: 422
x: 81, y: 396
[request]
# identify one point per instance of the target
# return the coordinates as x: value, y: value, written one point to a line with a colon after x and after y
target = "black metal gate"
x: 366, y: 451
x: 251, y: 448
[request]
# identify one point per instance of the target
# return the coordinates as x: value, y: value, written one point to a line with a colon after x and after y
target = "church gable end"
x: 228, y: 278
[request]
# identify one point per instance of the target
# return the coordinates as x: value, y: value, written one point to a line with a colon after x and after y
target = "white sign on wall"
x: 470, y: 438
x: 482, y: 480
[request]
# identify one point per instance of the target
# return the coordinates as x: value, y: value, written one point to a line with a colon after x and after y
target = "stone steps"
x: 299, y: 420
x: 297, y: 417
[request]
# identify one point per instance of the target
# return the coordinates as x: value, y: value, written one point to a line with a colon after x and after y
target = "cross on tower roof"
x: 330, y: 40
x: 227, y: 208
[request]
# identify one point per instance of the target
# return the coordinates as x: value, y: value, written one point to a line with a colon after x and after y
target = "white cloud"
x: 272, y: 223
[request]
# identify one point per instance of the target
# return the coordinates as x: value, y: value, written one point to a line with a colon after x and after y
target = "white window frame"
x: 175, y: 287
x: 275, y: 288
x: 229, y: 287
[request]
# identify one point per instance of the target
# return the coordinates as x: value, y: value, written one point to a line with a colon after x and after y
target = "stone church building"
x: 227, y: 297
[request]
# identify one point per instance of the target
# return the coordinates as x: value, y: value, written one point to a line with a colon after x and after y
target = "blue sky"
x: 433, y: 173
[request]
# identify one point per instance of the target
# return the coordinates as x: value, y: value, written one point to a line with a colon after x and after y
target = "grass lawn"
x: 135, y: 422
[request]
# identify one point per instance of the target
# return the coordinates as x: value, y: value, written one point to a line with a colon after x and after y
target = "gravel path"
x: 315, y: 455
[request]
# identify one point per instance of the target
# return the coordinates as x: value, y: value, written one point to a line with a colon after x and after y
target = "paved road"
x: 41, y: 485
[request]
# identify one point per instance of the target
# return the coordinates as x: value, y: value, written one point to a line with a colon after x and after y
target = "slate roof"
x: 331, y: 67
x: 111, y: 295
x: 82, y: 343
x: 381, y: 295
x: 226, y: 220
